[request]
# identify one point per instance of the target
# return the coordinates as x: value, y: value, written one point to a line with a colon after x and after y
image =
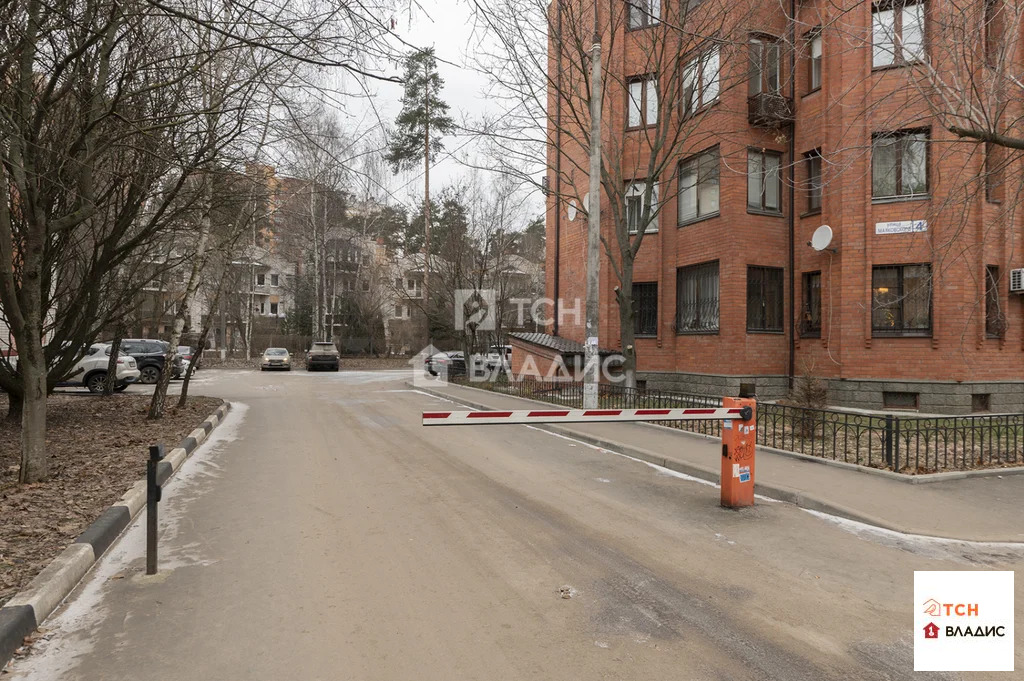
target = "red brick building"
x: 794, y: 124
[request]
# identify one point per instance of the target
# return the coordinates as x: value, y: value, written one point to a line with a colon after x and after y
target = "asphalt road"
x: 324, y: 534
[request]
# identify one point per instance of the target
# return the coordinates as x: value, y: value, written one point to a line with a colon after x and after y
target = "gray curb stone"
x: 23, y: 614
x: 16, y: 622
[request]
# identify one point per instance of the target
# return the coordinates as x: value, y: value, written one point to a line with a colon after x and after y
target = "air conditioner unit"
x: 1017, y: 281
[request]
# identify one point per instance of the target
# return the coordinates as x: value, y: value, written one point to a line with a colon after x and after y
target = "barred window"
x: 697, y: 298
x: 764, y: 298
x: 645, y: 308
x: 901, y: 300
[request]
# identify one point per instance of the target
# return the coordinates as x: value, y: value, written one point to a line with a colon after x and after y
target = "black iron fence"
x: 899, y: 443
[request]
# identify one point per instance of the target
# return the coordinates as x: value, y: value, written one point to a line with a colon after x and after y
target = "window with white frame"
x: 764, y: 182
x: 698, y: 186
x: 897, y: 33
x: 274, y: 308
x: 636, y: 193
x: 643, y: 13
x: 701, y: 81
x: 643, y: 102
x: 275, y: 280
x: 814, y: 59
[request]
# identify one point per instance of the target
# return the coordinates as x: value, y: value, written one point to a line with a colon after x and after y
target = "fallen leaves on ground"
x: 98, y: 448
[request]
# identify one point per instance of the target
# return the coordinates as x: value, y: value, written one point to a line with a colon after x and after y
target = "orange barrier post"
x: 739, y: 438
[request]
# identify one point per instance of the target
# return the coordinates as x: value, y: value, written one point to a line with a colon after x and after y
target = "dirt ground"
x: 98, y: 449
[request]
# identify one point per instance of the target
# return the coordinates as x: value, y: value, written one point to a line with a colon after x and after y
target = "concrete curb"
x: 23, y: 614
x: 779, y: 492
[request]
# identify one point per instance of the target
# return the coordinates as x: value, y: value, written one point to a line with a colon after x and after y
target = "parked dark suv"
x: 150, y: 355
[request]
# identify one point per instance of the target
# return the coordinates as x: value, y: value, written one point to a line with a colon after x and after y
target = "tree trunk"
x: 627, y: 337
x: 115, y: 350
x: 32, y: 366
x: 201, y: 343
x: 14, y: 406
x: 156, y: 406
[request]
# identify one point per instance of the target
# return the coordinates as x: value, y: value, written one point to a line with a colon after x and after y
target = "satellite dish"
x: 822, y: 238
x: 586, y: 203
x: 572, y: 211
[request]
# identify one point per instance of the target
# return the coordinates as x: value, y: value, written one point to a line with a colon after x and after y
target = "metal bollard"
x: 153, y: 493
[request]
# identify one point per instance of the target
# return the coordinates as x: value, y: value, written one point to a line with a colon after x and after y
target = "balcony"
x: 769, y: 110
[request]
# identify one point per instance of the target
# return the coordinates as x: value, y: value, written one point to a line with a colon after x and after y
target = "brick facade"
x: 944, y: 365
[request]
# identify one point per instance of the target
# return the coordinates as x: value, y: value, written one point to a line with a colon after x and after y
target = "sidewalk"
x: 972, y: 509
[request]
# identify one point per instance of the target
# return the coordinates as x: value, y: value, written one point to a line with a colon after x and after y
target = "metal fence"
x: 899, y: 443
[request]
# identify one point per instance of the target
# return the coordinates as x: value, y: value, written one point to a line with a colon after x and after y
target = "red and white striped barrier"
x: 467, y: 418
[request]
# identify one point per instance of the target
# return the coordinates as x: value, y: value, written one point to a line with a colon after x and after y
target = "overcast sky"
x: 445, y: 26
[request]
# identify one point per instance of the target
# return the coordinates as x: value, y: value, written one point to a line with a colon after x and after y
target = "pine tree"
x: 417, y: 137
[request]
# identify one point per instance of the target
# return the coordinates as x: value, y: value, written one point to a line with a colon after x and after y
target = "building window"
x: 993, y: 173
x: 981, y: 402
x: 764, y: 184
x: 901, y: 302
x: 897, y: 33
x: 273, y: 309
x: 764, y: 299
x: 643, y: 13
x: 261, y: 279
x: 700, y: 81
x: 995, y: 322
x: 765, y: 58
x: 635, y: 195
x: 399, y: 311
x: 810, y: 321
x: 643, y: 102
x: 366, y: 285
x: 263, y: 307
x: 398, y: 283
x: 645, y: 309
x: 697, y: 295
x: 698, y: 186
x: 275, y: 280
x: 899, y: 164
x: 895, y: 400
x: 814, y: 60
x: 814, y: 182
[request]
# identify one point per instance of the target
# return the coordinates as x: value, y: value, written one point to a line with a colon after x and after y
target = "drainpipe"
x: 558, y: 165
x: 792, y: 196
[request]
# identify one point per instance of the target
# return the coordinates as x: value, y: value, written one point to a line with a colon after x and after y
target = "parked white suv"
x: 91, y: 371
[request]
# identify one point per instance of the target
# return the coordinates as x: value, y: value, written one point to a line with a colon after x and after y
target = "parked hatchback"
x: 150, y: 355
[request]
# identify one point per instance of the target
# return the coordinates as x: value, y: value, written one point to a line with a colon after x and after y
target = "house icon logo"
x: 932, y: 607
x: 931, y: 630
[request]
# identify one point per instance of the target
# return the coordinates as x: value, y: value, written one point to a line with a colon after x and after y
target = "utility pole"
x: 426, y: 198
x: 591, y: 356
